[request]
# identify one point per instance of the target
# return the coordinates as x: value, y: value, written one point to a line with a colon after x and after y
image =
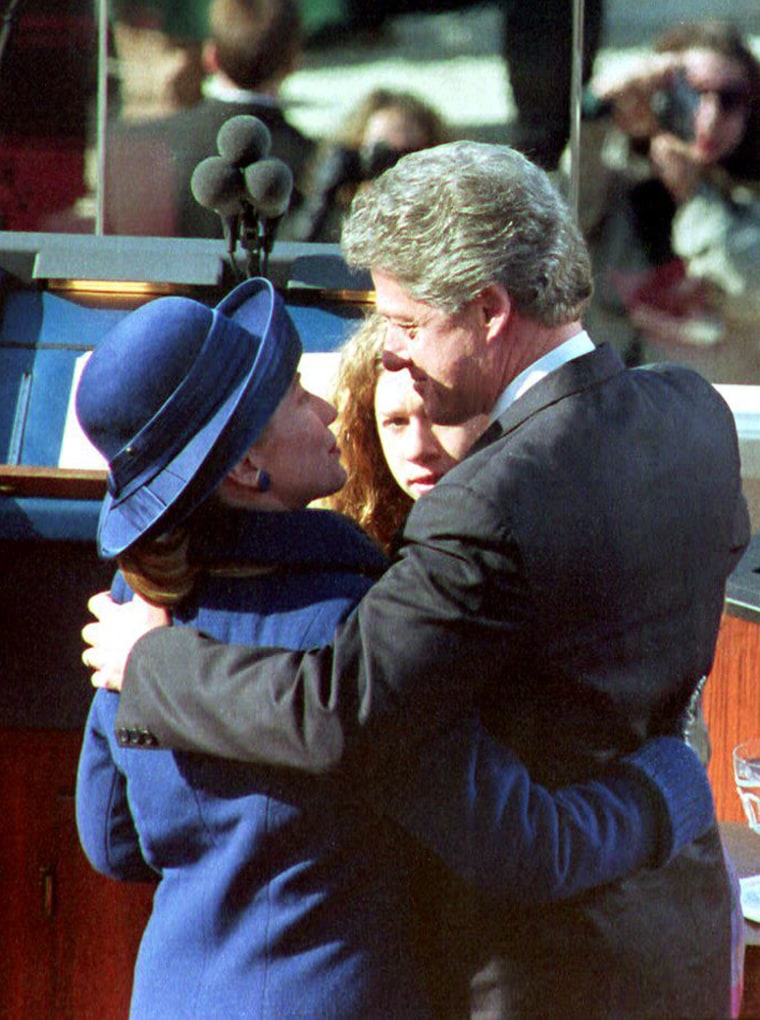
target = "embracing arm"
x: 473, y: 803
x: 471, y: 800
x: 387, y: 679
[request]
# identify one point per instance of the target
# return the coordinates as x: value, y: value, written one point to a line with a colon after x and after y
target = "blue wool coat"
x: 277, y: 899
x: 282, y: 895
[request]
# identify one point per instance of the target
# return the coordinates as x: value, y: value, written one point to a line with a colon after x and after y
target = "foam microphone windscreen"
x: 269, y: 184
x: 243, y: 139
x: 218, y: 185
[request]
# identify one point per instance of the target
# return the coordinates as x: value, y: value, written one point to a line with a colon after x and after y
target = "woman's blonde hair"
x: 161, y: 569
x: 371, y: 496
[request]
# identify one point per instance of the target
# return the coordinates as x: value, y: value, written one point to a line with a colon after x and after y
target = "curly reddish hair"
x: 371, y: 496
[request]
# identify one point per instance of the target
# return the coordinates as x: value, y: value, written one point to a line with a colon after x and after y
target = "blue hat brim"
x: 188, y: 478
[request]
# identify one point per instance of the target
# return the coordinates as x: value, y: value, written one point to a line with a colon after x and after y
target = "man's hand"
x: 114, y: 634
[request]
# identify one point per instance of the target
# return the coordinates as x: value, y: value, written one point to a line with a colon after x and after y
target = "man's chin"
x: 438, y: 415
x: 443, y: 408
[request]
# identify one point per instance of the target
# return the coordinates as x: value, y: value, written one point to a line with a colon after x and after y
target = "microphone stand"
x: 231, y: 227
x: 267, y: 229
x: 251, y: 240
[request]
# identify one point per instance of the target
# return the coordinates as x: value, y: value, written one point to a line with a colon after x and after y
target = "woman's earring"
x: 261, y: 480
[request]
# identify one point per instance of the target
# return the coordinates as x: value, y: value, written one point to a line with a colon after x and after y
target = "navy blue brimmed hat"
x: 173, y: 397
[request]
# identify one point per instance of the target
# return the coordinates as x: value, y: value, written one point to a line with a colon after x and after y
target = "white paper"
x: 750, y: 891
x: 76, y: 449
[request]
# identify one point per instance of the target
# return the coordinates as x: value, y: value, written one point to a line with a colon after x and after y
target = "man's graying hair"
x: 447, y: 221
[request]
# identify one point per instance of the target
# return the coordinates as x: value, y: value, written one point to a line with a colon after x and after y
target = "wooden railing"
x: 732, y: 706
x: 51, y: 483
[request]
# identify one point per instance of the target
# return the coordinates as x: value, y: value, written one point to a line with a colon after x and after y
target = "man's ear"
x: 496, y: 307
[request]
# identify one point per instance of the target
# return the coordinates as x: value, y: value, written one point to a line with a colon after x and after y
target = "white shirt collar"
x: 214, y: 88
x: 573, y: 348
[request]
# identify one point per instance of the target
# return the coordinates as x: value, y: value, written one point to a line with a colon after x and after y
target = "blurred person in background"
x: 671, y: 168
x: 383, y: 127
x: 537, y: 45
x: 252, y: 47
x: 158, y: 46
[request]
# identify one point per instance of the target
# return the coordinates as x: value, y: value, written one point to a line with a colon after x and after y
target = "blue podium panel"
x: 48, y: 519
x: 16, y: 373
x: 324, y: 329
x: 41, y: 336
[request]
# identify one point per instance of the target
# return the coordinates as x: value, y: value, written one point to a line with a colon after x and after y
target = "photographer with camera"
x: 674, y: 217
x: 386, y: 125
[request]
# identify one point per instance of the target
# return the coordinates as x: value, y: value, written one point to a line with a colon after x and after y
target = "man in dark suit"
x: 253, y: 46
x: 567, y: 579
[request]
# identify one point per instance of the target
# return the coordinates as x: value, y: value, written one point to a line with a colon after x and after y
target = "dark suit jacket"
x: 149, y: 166
x: 568, y: 577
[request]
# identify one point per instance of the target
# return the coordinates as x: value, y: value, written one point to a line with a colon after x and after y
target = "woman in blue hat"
x: 283, y: 896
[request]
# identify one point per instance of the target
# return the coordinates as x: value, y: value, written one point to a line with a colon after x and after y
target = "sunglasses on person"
x: 731, y: 98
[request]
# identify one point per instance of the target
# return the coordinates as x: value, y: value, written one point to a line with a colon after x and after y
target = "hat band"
x: 184, y: 413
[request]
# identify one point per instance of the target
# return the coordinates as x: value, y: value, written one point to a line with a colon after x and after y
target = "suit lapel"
x: 573, y: 377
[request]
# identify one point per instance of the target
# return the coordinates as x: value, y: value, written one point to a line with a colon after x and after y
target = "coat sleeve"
x: 473, y: 803
x: 104, y: 821
x: 387, y: 683
x: 388, y: 679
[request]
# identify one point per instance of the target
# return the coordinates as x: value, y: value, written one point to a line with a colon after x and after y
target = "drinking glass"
x: 747, y: 776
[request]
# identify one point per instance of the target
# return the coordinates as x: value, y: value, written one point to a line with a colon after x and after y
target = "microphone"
x: 243, y: 139
x: 218, y: 186
x: 269, y: 185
